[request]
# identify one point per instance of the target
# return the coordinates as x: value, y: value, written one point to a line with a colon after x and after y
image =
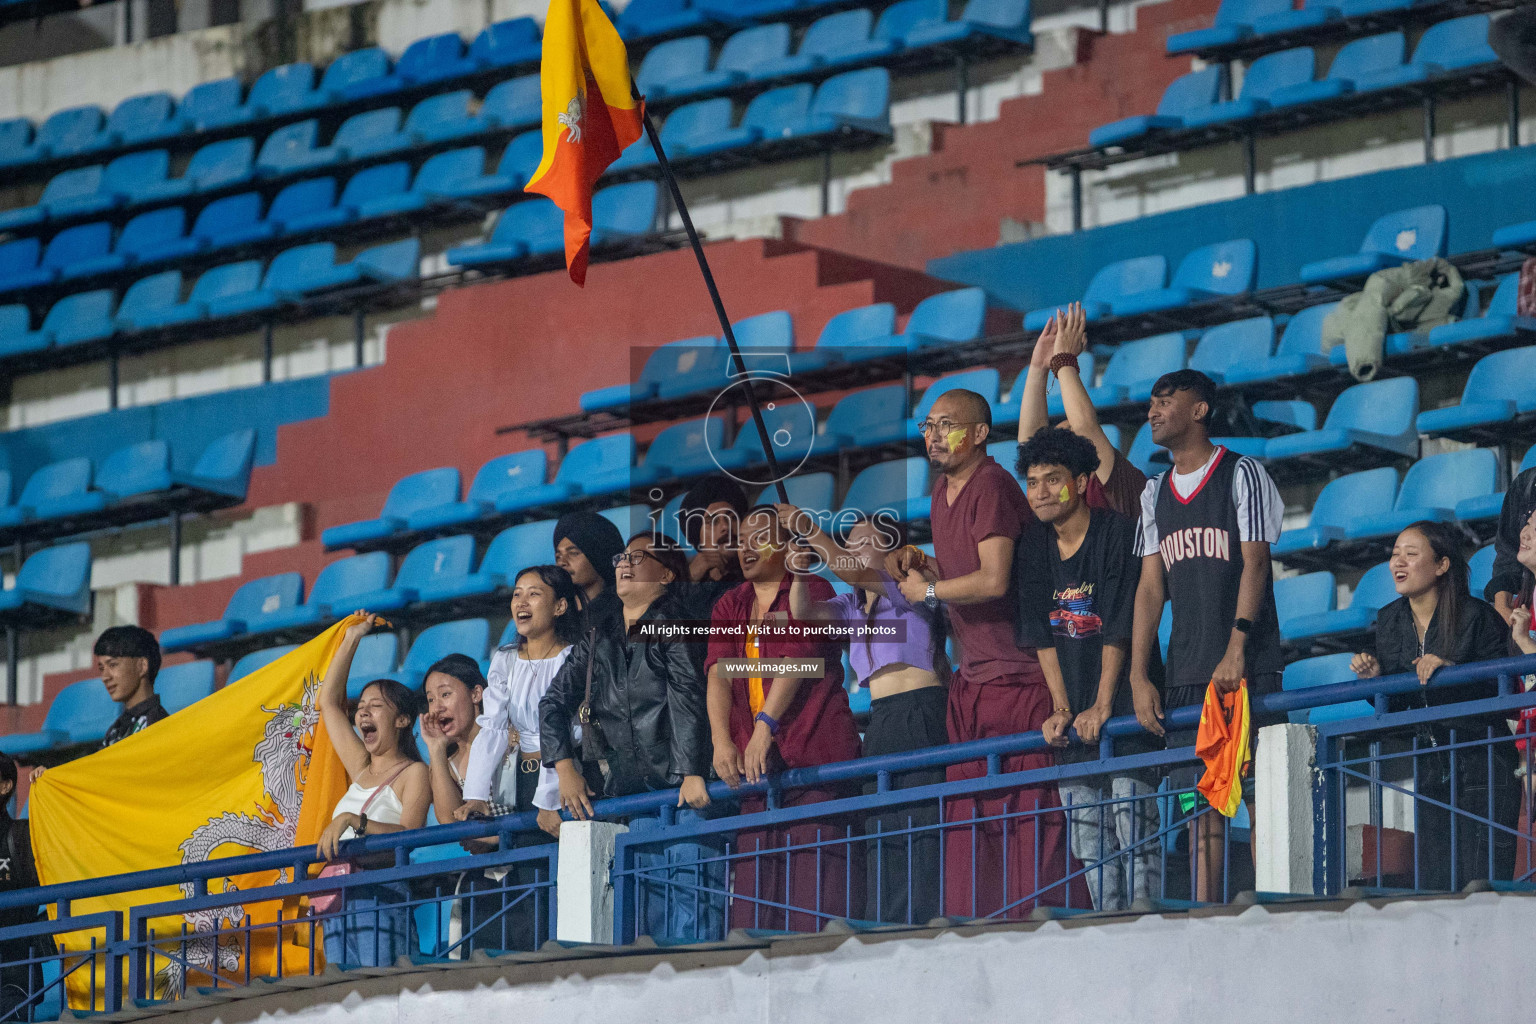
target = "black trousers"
x: 902, y: 881
x: 1474, y: 842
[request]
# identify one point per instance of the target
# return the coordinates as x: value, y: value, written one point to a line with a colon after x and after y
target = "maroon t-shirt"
x: 991, y: 504
x: 818, y: 728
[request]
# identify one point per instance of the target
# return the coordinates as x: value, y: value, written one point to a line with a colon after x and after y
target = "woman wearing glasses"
x: 641, y: 700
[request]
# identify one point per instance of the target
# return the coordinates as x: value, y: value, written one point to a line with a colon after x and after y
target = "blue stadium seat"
x: 80, y: 713
x: 150, y: 117
x: 376, y: 657
x: 1480, y: 568
x: 259, y: 597
x: 812, y: 492
x: 356, y: 75
x: 676, y: 360
x: 526, y: 228
x: 708, y: 369
x: 1135, y: 367
x: 505, y: 43
x: 141, y: 241
x: 869, y: 417
x: 642, y: 18
x: 291, y: 149
x: 419, y: 490
x: 622, y: 212
x: 1145, y: 455
x: 434, y: 59
x: 1238, y: 343
x: 1374, y: 591
x: 1210, y: 272
x: 285, y: 89
x: 791, y: 430
x: 674, y: 59
x: 446, y: 559
x: 741, y: 53
x: 335, y: 593
x: 855, y: 99
x: 1110, y: 283
x: 1498, y: 322
x: 390, y: 262
x: 291, y: 274
x: 692, y: 130
x: 215, y: 166
x: 146, y: 298
x: 68, y: 191
x: 1500, y: 391
x: 985, y: 383
x: 232, y: 221
x: 1360, y: 59
x: 603, y: 463
x: 213, y: 105
x: 629, y: 519
x: 751, y: 10
x: 18, y: 265
x: 948, y: 318
x: 512, y: 550
x: 77, y: 244
x: 444, y: 116
x: 1432, y: 488
x: 515, y: 103
x: 73, y: 320
x: 1194, y: 91
x: 181, y: 686
x: 518, y: 162
x: 68, y: 132
x: 1374, y: 417
x: 371, y: 133
x: 1325, y: 670
x: 690, y: 448
x: 498, y: 478
x: 438, y: 178
x: 1300, y: 350
x: 215, y: 284
x: 371, y: 183
x: 1265, y: 77
x: 994, y: 19
x: 827, y: 41
x: 860, y: 333
x: 15, y: 141
x: 1368, y: 493
x: 48, y: 488
x: 223, y: 468
x: 1396, y: 238
x: 899, y: 486
x: 1234, y: 23
x: 465, y: 636
x: 1311, y: 593
x: 301, y: 199
x: 1311, y: 14
x: 1488, y: 506
x: 258, y: 659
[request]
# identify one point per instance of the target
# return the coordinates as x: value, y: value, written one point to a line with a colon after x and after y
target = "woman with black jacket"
x: 644, y: 699
x: 19, y: 980
x: 1436, y: 623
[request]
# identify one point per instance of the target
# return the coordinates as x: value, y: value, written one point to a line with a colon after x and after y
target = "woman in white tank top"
x: 390, y: 792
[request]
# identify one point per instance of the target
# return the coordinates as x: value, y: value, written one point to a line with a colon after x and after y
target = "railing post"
x: 584, y: 905
x: 1283, y: 820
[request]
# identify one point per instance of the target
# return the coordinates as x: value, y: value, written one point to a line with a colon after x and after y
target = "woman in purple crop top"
x: 898, y: 652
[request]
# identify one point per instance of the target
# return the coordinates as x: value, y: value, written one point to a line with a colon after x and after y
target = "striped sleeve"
x: 1146, y: 528
x: 1259, y: 508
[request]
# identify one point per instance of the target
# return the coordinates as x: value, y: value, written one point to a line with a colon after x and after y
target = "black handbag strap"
x: 589, y: 750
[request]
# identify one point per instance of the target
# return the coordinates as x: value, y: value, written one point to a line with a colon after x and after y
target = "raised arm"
x: 832, y: 554
x: 1032, y: 400
x: 1082, y: 420
x: 333, y: 696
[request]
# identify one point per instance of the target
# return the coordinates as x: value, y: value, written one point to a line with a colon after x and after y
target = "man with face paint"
x: 1076, y: 573
x: 585, y: 544
x: 977, y: 514
x: 761, y: 725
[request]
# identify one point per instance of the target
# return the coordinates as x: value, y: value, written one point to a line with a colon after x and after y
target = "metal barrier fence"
x: 985, y: 829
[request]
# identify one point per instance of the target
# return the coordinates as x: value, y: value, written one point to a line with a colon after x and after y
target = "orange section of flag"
x: 1224, y: 745
x: 590, y: 116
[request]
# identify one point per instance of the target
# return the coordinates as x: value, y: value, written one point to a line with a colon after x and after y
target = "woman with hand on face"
x: 645, y: 717
x: 1436, y: 623
x: 390, y: 792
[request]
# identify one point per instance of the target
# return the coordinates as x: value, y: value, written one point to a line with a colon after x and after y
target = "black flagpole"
x: 714, y: 296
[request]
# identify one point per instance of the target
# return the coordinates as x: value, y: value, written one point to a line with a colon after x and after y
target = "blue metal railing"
x: 128, y: 939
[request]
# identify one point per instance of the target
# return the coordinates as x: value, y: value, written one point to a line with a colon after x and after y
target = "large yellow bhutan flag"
x: 590, y: 116
x: 245, y: 770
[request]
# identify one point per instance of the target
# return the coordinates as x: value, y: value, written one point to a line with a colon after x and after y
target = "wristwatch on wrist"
x: 931, y: 598
x: 1243, y: 625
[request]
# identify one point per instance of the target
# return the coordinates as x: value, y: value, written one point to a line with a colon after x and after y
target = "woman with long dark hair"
x: 648, y: 722
x: 1436, y: 623
x: 906, y: 676
x: 390, y: 792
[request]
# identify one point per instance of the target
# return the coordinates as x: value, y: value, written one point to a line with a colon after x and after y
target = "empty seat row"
x: 1241, y: 20
x: 232, y: 289
x: 81, y: 713
x: 536, y: 227
x: 682, y: 67
x: 1285, y: 79
x: 290, y: 89
x: 141, y: 178
x: 139, y: 481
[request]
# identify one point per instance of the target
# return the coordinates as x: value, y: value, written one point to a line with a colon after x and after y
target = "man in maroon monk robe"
x: 1012, y: 859
x: 764, y: 724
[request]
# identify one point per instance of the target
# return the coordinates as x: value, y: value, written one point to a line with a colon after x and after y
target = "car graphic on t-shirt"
x: 1075, y: 617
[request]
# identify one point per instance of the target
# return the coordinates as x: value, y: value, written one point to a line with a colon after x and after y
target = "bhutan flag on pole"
x: 590, y: 116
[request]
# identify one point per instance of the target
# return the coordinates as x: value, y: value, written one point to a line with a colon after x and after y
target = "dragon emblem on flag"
x: 571, y: 119
x: 283, y: 753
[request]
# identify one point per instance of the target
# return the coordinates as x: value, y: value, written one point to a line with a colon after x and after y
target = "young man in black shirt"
x: 1076, y: 573
x: 128, y: 658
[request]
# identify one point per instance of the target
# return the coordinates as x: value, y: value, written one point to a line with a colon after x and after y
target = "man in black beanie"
x: 585, y: 544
